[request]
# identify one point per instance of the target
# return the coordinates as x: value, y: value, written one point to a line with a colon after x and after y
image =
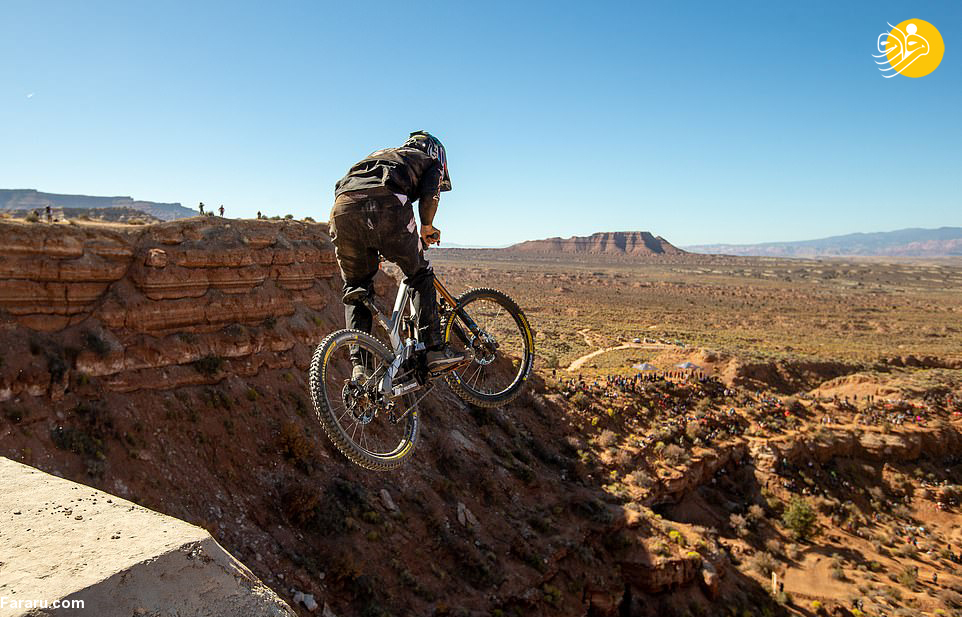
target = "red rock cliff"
x: 143, y: 305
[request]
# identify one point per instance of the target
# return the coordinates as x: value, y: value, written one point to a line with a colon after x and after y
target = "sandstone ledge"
x: 62, y: 540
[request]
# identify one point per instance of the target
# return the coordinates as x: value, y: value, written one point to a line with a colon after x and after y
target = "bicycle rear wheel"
x: 371, y: 431
x: 493, y: 330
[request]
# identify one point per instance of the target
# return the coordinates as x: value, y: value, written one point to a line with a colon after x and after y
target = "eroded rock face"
x: 897, y: 446
x: 139, y: 307
x: 702, y: 468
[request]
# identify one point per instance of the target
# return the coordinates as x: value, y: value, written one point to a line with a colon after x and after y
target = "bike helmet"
x: 432, y: 146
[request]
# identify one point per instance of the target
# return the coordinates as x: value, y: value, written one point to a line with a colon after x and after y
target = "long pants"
x: 366, y: 225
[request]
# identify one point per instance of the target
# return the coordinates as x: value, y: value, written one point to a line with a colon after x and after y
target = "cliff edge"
x: 68, y: 549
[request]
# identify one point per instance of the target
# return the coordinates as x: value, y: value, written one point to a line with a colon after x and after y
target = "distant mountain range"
x: 941, y: 242
x: 30, y: 199
x: 616, y: 243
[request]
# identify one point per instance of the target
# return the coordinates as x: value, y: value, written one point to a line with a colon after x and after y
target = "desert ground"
x: 818, y: 438
x: 807, y: 354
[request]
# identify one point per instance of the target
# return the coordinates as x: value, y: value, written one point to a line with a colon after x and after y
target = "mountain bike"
x: 374, y: 420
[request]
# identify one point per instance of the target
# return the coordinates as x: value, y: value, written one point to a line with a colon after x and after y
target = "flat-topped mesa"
x: 627, y: 243
x: 121, y: 303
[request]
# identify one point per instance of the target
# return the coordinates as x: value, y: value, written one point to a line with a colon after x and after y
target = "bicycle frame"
x: 403, y: 349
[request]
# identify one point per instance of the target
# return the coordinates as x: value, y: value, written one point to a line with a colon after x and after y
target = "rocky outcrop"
x: 701, y: 470
x: 784, y: 376
x: 140, y: 307
x: 898, y: 446
x: 68, y: 543
x: 626, y: 243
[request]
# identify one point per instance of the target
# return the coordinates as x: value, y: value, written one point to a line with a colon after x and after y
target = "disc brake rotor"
x: 358, y: 401
x: 484, y: 347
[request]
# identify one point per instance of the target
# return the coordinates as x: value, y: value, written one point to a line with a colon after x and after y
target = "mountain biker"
x: 373, y: 215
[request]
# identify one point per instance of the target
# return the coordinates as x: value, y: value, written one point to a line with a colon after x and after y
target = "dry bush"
x: 295, y: 446
x: 640, y: 478
x: 773, y: 546
x: 299, y: 502
x: 607, y: 438
x: 756, y: 514
x: 675, y: 455
x: 739, y: 524
x: 764, y: 563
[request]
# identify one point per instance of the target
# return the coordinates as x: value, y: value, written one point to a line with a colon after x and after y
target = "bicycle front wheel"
x: 372, y: 431
x: 492, y: 329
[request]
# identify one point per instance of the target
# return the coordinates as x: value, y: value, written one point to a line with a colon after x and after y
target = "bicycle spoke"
x: 481, y: 372
x: 497, y: 342
x: 358, y: 407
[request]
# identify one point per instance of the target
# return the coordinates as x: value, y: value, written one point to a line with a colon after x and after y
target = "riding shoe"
x: 444, y: 358
x: 360, y: 374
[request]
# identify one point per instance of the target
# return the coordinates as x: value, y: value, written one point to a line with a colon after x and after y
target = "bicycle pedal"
x: 448, y: 369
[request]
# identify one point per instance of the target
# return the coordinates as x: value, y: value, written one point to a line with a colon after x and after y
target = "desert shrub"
x: 756, y: 514
x: 31, y: 217
x: 309, y: 219
x: 295, y: 446
x: 773, y: 546
x: 908, y: 577
x: 580, y: 400
x: 552, y: 595
x: 299, y: 502
x: 675, y: 455
x: 764, y: 563
x: 739, y: 524
x: 676, y: 537
x: 906, y: 551
x: 607, y: 438
x: 799, y: 517
x: 816, y: 605
x: 208, y: 365
x: 640, y: 478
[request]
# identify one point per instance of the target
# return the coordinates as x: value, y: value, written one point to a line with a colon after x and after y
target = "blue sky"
x: 702, y: 122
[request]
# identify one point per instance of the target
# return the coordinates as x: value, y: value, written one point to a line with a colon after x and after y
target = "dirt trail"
x: 574, y: 366
x: 579, y: 362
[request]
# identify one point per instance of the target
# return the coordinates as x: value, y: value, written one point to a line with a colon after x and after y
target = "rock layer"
x: 143, y: 305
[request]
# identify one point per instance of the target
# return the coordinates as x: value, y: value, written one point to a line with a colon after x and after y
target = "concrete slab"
x: 63, y: 541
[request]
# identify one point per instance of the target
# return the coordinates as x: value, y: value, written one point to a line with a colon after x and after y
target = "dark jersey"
x: 406, y: 171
